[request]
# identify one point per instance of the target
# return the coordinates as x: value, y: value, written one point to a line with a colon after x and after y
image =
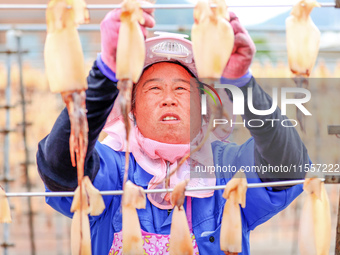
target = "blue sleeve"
x: 274, y: 145
x: 53, y: 156
x: 109, y: 177
x: 264, y: 203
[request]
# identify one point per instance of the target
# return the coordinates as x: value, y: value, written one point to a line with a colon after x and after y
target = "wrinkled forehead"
x: 174, y: 62
x: 164, y: 69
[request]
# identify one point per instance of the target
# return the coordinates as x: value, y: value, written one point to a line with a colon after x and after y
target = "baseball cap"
x: 170, y: 47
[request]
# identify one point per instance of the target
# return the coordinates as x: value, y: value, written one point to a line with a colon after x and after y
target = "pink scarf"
x: 158, y: 159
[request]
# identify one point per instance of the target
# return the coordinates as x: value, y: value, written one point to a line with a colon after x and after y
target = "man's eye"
x: 180, y: 88
x: 154, y: 88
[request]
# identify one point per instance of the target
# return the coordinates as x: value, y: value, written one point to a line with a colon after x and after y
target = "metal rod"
x: 24, y: 133
x: 157, y: 27
x: 334, y: 129
x: 155, y: 6
x: 7, y: 144
x: 120, y: 192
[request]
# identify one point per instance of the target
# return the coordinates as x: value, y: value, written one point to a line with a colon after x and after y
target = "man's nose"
x: 169, y: 99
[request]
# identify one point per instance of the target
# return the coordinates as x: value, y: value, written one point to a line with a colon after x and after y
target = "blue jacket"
x: 275, y: 146
x: 261, y: 203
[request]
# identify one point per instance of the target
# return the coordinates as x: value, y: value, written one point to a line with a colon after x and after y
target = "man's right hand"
x: 109, y: 29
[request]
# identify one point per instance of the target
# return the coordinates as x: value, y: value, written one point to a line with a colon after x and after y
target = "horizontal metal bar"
x: 20, y: 124
x: 332, y: 179
x: 6, y: 131
x: 334, y: 129
x: 7, y: 106
x: 6, y: 179
x: 12, y: 52
x: 155, y: 6
x: 27, y: 163
x: 120, y: 192
x: 7, y: 245
x: 157, y: 27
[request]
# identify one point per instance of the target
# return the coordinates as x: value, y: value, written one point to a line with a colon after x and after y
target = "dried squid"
x: 133, y: 197
x: 5, y: 213
x: 180, y: 239
x: 64, y: 64
x: 212, y: 38
x: 212, y: 43
x: 315, y: 220
x: 231, y: 226
x: 303, y: 39
x: 93, y: 204
x: 130, y: 60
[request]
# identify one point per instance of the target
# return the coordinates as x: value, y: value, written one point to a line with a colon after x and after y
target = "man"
x: 160, y: 138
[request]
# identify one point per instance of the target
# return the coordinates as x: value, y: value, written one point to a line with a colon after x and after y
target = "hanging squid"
x: 231, y: 226
x: 180, y: 239
x: 303, y: 39
x: 130, y: 60
x: 133, y: 198
x: 212, y: 39
x: 93, y: 204
x: 5, y: 212
x: 212, y: 44
x: 315, y: 220
x: 64, y: 64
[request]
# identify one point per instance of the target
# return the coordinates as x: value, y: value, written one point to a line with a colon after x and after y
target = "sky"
x: 255, y: 15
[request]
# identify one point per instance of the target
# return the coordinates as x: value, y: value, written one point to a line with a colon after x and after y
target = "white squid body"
x: 134, y: 197
x: 64, y: 60
x: 131, y: 46
x: 180, y: 238
x: 80, y: 244
x: 5, y: 213
x: 231, y: 226
x: 315, y: 220
x: 212, y: 39
x: 92, y: 202
x: 303, y: 38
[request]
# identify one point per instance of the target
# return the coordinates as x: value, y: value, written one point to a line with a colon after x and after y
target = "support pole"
x: 6, y: 146
x: 24, y: 132
x: 335, y: 130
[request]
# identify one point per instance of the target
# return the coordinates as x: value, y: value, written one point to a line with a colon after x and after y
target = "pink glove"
x: 109, y: 28
x: 243, y: 51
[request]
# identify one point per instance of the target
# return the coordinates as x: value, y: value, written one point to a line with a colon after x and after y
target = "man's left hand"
x: 243, y: 51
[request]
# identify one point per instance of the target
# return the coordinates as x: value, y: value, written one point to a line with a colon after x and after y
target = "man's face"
x: 162, y: 107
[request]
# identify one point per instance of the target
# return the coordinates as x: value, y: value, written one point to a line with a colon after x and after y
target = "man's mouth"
x: 170, y: 117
